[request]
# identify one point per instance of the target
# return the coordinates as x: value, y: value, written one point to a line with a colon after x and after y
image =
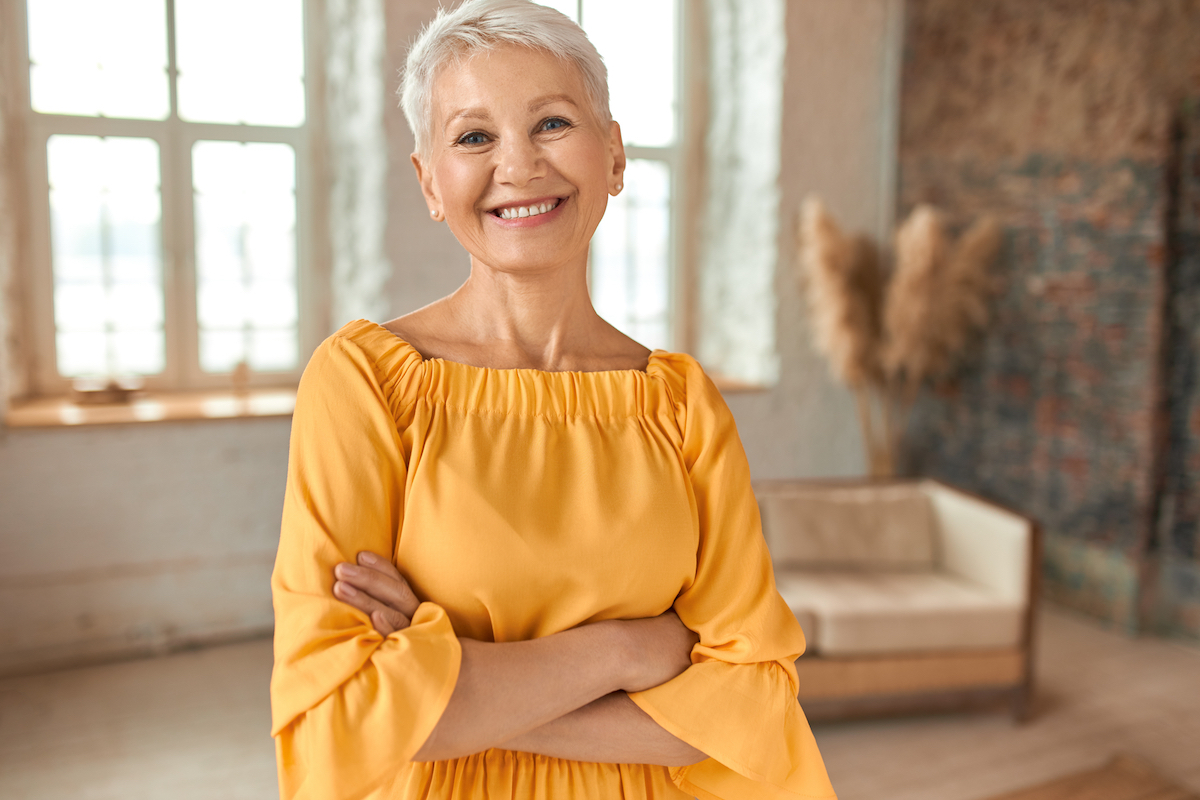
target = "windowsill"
x: 734, y: 386
x: 58, y: 412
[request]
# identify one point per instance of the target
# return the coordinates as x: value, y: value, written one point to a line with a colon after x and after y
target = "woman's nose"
x: 520, y: 161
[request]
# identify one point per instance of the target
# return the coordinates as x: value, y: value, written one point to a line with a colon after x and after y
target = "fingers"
x: 384, y: 619
x: 379, y: 578
x: 375, y: 587
x: 388, y: 621
x: 377, y: 562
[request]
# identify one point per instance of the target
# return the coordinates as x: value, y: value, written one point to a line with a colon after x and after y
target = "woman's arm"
x: 610, y: 730
x: 507, y: 689
x: 737, y: 703
x: 516, y: 689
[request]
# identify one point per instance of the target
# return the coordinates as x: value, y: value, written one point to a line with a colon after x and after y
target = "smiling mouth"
x: 518, y: 212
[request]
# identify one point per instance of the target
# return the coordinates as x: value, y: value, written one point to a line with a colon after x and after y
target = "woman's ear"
x: 616, y: 151
x: 425, y: 178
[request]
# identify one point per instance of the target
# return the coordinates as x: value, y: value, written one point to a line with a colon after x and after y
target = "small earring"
x: 433, y: 213
x: 618, y: 188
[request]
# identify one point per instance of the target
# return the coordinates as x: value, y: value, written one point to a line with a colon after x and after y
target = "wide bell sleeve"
x: 349, y: 706
x: 737, y: 702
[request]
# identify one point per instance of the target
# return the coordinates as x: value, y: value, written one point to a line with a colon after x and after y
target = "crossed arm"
x: 562, y: 695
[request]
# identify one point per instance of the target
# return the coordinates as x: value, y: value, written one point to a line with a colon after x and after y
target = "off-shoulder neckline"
x: 655, y: 354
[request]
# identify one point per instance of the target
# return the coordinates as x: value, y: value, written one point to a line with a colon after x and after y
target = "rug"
x: 1123, y: 778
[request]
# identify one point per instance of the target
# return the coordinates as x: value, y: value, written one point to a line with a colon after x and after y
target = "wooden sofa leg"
x: 1022, y: 704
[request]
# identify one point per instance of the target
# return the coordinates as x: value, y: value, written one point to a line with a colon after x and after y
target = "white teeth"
x: 527, y: 211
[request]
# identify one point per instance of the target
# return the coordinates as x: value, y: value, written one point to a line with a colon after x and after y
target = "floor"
x: 195, y: 725
x: 1099, y: 694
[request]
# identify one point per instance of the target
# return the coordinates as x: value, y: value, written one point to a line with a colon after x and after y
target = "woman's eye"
x: 554, y: 124
x: 472, y: 138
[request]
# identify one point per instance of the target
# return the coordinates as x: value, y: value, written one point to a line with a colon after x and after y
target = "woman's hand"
x: 660, y: 648
x: 376, y: 587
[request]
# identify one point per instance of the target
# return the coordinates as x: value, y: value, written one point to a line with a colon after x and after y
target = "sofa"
x: 914, y: 596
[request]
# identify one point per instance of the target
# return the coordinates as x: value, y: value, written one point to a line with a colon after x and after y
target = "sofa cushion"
x: 832, y: 527
x: 808, y: 624
x: 858, y: 613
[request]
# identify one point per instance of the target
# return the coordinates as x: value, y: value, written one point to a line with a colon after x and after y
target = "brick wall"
x: 1058, y: 117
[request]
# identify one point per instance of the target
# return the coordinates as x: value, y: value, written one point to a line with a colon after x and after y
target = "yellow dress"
x: 519, y: 503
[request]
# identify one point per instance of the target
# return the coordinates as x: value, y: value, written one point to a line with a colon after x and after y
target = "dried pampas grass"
x: 844, y: 283
x: 885, y: 339
x: 845, y: 294
x: 938, y: 297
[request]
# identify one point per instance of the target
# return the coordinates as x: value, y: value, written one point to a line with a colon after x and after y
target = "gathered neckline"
x: 655, y: 354
x: 409, y: 379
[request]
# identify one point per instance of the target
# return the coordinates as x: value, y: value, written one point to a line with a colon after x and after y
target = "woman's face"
x: 514, y: 133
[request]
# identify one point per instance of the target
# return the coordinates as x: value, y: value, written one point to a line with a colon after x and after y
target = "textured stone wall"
x: 1054, y: 414
x: 1096, y: 79
x: 1057, y: 117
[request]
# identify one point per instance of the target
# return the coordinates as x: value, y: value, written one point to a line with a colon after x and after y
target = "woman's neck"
x: 544, y: 311
x: 541, y: 321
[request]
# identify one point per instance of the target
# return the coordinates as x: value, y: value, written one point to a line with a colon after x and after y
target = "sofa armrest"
x: 983, y: 542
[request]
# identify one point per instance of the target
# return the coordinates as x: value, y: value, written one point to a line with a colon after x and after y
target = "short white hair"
x: 482, y: 25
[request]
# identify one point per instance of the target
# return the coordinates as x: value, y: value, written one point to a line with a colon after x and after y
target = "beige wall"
x: 130, y: 539
x: 133, y: 538
x: 839, y: 96
x: 428, y: 262
x: 124, y: 539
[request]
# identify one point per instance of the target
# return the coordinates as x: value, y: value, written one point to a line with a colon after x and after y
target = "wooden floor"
x: 1123, y: 778
x: 195, y: 725
x: 1099, y: 694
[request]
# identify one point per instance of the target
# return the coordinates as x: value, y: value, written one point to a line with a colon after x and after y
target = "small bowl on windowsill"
x: 106, y: 391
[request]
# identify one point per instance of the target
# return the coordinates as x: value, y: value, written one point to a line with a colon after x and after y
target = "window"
x: 167, y: 190
x: 632, y: 277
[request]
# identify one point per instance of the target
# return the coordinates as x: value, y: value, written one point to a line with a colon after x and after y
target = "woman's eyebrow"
x: 467, y: 113
x: 547, y: 99
x: 535, y: 104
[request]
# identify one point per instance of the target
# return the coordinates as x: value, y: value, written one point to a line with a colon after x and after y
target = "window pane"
x: 240, y: 61
x: 82, y: 354
x: 641, y: 64
x: 220, y: 351
x: 247, y: 303
x: 106, y: 253
x: 272, y: 350
x: 630, y: 273
x: 137, y: 352
x: 99, y: 58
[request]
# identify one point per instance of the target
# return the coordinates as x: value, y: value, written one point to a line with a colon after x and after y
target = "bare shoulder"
x: 616, y: 350
x: 424, y: 329
x: 434, y: 333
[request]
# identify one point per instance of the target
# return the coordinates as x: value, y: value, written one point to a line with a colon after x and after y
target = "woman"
x: 520, y: 556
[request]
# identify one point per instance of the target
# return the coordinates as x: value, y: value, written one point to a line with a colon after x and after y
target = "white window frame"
x: 175, y: 138
x: 684, y: 169
x: 688, y: 171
